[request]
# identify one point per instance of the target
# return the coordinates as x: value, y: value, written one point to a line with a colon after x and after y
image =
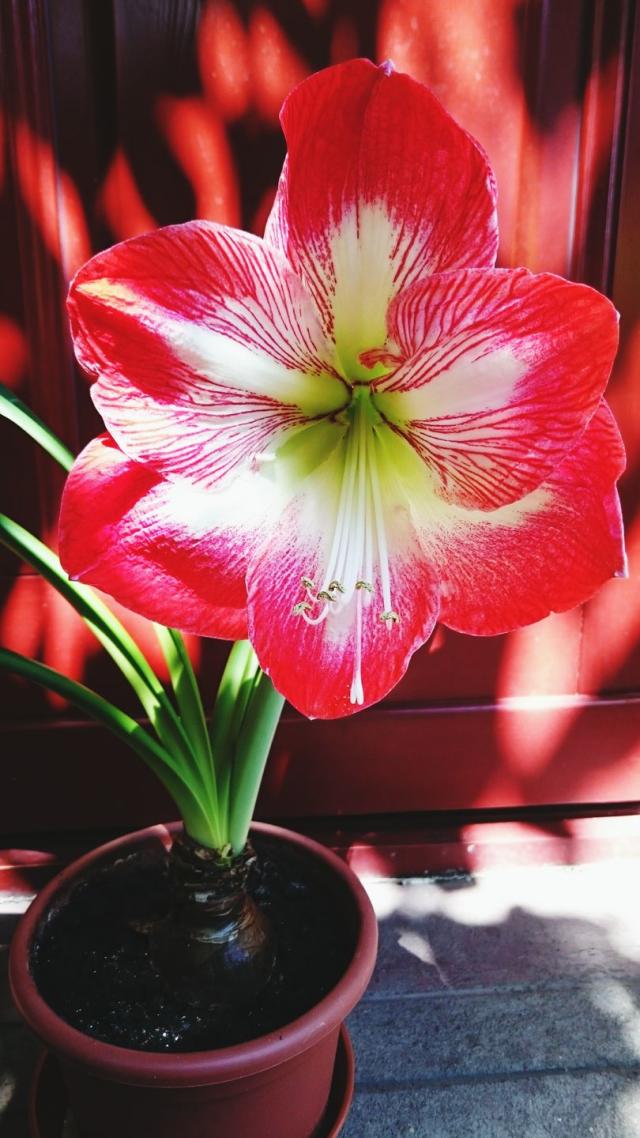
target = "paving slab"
x: 507, y: 927
x: 605, y: 1106
x: 508, y: 1033
x: 18, y: 1053
x: 506, y: 1006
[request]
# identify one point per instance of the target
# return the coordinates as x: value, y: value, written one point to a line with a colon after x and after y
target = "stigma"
x: 354, y: 584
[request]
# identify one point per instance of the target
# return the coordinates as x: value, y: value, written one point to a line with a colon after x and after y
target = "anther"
x: 335, y: 586
x: 325, y: 595
x: 390, y: 617
x: 364, y: 585
x: 301, y: 608
x: 307, y: 583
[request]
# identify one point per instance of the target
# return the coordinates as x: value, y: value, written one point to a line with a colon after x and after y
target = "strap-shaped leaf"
x: 184, y: 791
x: 187, y: 693
x: 252, y: 745
x: 17, y: 412
x: 106, y: 628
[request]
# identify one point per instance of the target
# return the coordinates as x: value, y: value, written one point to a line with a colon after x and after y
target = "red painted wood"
x: 611, y: 646
x: 603, y: 141
x: 453, y: 758
x: 120, y: 116
x: 50, y: 228
x: 522, y: 753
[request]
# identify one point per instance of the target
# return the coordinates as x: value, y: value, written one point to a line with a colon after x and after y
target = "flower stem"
x: 192, y: 717
x: 233, y: 690
x: 252, y: 746
x: 245, y: 717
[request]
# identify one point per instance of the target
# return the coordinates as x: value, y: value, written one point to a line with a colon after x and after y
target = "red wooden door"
x: 120, y: 116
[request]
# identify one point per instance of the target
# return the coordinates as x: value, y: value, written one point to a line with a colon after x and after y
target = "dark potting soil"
x: 91, y: 963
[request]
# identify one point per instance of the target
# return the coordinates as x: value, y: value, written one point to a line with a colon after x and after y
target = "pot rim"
x: 191, y: 1068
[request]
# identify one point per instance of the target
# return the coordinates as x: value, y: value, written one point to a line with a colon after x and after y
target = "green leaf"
x: 252, y: 745
x: 187, y: 693
x: 17, y: 412
x: 106, y: 628
x: 173, y: 776
x: 199, y: 818
x: 236, y: 685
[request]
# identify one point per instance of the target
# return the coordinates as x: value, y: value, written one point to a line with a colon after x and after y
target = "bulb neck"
x: 214, y: 947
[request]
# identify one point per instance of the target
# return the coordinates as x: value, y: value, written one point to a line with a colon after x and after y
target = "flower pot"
x: 275, y: 1086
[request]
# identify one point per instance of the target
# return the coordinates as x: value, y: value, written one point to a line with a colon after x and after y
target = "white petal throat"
x: 355, y: 574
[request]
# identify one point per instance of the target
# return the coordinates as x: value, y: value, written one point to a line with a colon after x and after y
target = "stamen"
x: 383, y: 552
x: 368, y: 545
x: 390, y: 617
x: 343, y: 513
x: 316, y: 619
x: 356, y: 695
x: 357, y: 567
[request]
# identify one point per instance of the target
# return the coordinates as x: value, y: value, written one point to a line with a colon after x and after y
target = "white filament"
x: 359, y: 553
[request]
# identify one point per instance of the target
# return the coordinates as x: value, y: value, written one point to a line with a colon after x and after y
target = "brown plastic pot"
x: 276, y: 1086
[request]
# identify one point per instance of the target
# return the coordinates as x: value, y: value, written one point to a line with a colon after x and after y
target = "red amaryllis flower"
x: 338, y: 435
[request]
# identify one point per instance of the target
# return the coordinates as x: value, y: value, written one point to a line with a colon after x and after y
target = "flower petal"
x: 317, y: 666
x: 380, y: 187
x: 205, y: 348
x: 503, y: 371
x: 547, y: 553
x: 171, y: 553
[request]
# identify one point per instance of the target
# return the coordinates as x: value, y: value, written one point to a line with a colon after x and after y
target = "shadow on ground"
x: 491, y: 1026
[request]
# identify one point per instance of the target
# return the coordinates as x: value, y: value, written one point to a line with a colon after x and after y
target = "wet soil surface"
x: 91, y: 962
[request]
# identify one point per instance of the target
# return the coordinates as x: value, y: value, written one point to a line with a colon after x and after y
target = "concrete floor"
x: 502, y: 1007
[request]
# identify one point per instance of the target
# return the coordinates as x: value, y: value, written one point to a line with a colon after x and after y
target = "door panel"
x: 123, y: 115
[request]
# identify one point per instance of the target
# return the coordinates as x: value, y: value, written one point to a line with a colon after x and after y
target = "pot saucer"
x: 49, y: 1116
